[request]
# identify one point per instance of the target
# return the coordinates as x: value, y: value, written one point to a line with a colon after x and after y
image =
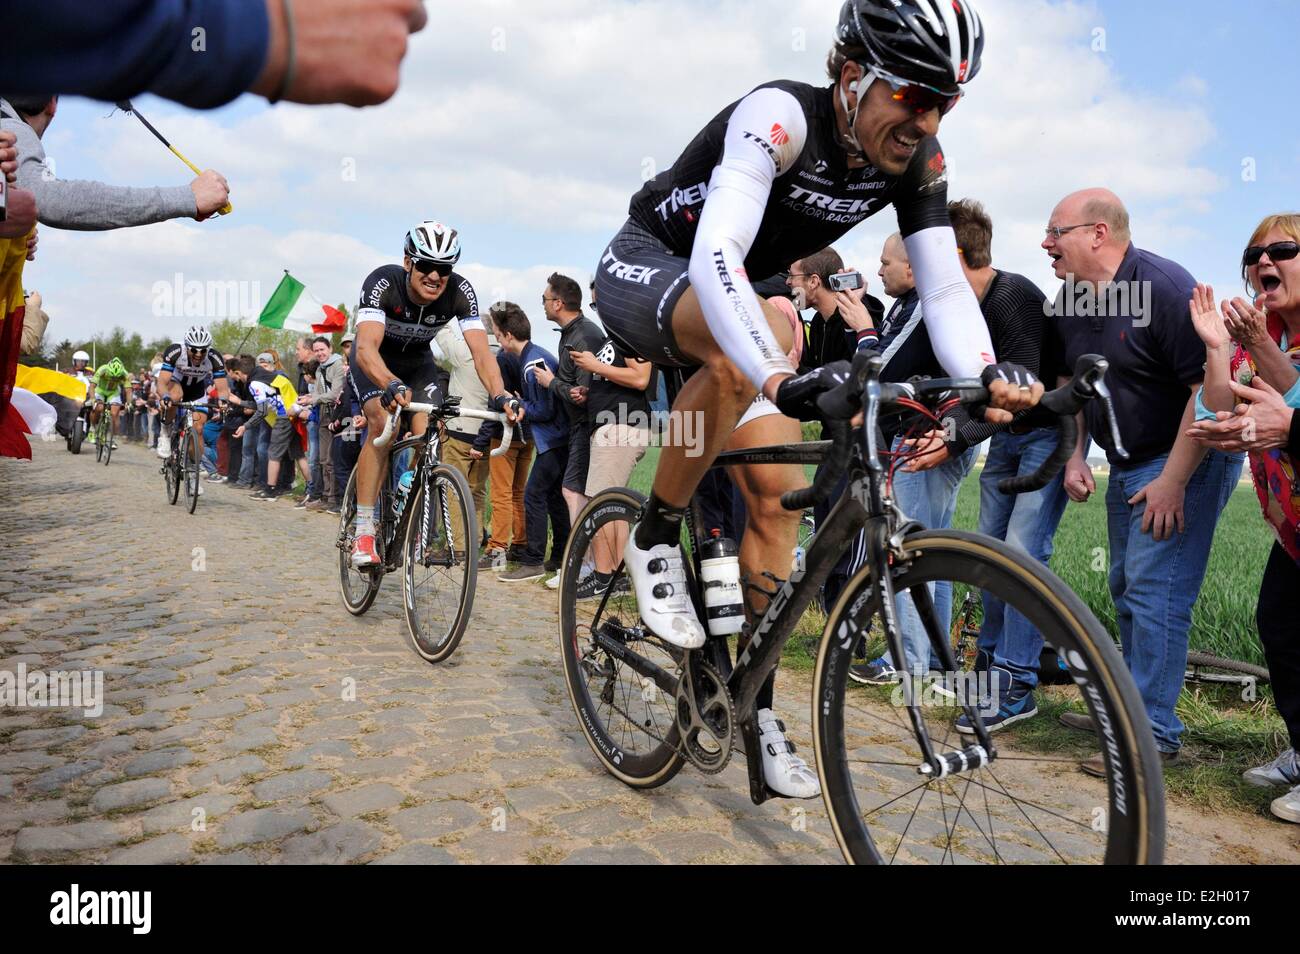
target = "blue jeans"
x: 257, y: 447
x: 929, y: 496
x: 542, y: 499
x: 315, y: 483
x: 1155, y: 584
x: 211, y: 431
x: 1027, y: 522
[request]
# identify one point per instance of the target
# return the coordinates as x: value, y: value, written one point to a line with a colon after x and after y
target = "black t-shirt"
x: 610, y: 403
x: 831, y: 339
x: 1155, y: 354
x: 582, y: 334
x: 1016, y: 311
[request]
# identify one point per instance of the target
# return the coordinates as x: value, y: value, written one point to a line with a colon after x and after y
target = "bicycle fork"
x: 934, y: 765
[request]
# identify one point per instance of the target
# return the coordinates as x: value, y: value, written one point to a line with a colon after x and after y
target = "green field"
x: 1223, y: 621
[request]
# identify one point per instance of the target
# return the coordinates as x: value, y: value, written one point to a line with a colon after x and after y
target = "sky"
x: 529, y: 124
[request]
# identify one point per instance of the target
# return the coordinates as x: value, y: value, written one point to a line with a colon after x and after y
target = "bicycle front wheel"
x: 99, y: 440
x: 1030, y: 803
x: 440, y: 568
x: 191, y: 468
x: 358, y: 588
x: 108, y: 439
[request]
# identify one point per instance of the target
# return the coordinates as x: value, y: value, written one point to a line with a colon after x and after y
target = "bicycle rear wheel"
x: 1203, y: 667
x: 172, y: 476
x: 357, y: 588
x: 191, y: 469
x: 108, y: 437
x: 1031, y: 803
x: 629, y: 721
x: 439, y: 569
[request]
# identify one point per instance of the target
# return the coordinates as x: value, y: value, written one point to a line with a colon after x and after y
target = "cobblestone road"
x: 229, y: 735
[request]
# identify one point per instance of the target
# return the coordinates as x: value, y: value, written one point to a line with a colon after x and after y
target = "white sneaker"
x: 1287, y: 807
x: 553, y: 583
x: 164, y: 446
x: 200, y: 489
x: 1283, y: 770
x: 659, y: 578
x: 785, y: 773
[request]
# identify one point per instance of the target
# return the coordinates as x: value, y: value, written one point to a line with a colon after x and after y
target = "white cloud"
x: 529, y: 124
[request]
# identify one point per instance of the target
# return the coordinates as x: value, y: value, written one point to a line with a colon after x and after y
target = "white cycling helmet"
x: 434, y: 242
x: 198, y: 337
x: 81, y: 356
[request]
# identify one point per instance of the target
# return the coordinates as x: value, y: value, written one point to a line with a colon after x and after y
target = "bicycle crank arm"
x: 643, y: 667
x: 954, y: 763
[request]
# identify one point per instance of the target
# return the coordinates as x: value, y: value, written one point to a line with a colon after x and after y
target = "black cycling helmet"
x: 933, y: 43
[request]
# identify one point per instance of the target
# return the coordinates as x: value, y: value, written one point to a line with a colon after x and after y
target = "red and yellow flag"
x: 13, y: 253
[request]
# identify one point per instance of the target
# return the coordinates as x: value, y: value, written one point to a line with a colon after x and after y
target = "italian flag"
x: 293, y: 308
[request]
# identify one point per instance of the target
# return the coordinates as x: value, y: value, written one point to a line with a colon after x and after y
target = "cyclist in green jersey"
x: 108, y: 383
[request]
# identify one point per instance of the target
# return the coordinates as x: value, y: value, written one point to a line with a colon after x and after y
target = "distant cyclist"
x: 402, y: 309
x: 109, y: 382
x: 189, y: 368
x: 780, y: 174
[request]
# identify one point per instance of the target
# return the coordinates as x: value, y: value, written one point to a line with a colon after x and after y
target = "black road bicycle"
x: 428, y: 530
x: 899, y: 780
x: 183, y: 466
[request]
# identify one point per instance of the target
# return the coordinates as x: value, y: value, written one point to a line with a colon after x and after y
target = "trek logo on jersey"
x: 779, y: 136
x: 679, y: 199
x: 766, y: 147
x: 636, y: 274
x: 738, y: 305
x: 829, y: 208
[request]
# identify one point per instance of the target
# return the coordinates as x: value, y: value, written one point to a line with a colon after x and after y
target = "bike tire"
x: 661, y: 758
x: 191, y: 470
x: 450, y: 497
x: 108, y: 441
x: 357, y: 589
x: 1206, y: 661
x: 1134, y: 826
x: 99, y: 440
x: 172, y: 476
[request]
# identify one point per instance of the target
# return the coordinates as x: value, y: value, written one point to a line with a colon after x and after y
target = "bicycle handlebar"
x: 864, y: 390
x: 507, y: 430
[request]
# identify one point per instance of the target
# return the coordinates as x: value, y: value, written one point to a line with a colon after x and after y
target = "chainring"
x: 705, y: 709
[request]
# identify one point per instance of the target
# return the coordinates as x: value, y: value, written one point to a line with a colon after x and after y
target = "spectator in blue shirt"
x: 1163, y: 500
x: 548, y: 423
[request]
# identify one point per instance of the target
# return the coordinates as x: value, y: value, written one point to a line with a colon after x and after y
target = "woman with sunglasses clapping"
x: 1246, y: 404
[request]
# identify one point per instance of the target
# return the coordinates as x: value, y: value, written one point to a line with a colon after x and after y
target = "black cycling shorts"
x: 638, y: 284
x: 423, y: 376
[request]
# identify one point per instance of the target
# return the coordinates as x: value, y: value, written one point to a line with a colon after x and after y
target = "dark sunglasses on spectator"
x: 1277, y: 252
x: 424, y: 266
x: 921, y: 99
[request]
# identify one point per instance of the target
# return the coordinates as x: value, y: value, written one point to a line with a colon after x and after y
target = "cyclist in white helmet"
x: 189, y: 368
x: 402, y: 309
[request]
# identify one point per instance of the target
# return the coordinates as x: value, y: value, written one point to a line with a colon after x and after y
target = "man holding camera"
x: 842, y: 308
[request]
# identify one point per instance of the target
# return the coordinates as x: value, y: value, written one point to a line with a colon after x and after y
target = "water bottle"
x: 720, y: 573
x: 403, y: 489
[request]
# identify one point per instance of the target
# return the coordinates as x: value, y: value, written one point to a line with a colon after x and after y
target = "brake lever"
x: 1103, y: 394
x: 871, y: 407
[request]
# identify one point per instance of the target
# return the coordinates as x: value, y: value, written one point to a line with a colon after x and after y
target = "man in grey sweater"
x: 95, y: 206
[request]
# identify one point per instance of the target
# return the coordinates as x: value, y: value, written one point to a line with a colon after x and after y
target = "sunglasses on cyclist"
x: 1277, y: 252
x: 921, y: 99
x: 424, y: 266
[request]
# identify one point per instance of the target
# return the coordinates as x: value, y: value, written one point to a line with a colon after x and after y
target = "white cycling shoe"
x: 164, y: 446
x: 659, y: 578
x: 785, y: 773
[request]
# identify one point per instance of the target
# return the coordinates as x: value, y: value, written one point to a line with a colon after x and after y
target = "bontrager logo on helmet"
x: 434, y: 242
x: 933, y: 43
x: 198, y: 337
